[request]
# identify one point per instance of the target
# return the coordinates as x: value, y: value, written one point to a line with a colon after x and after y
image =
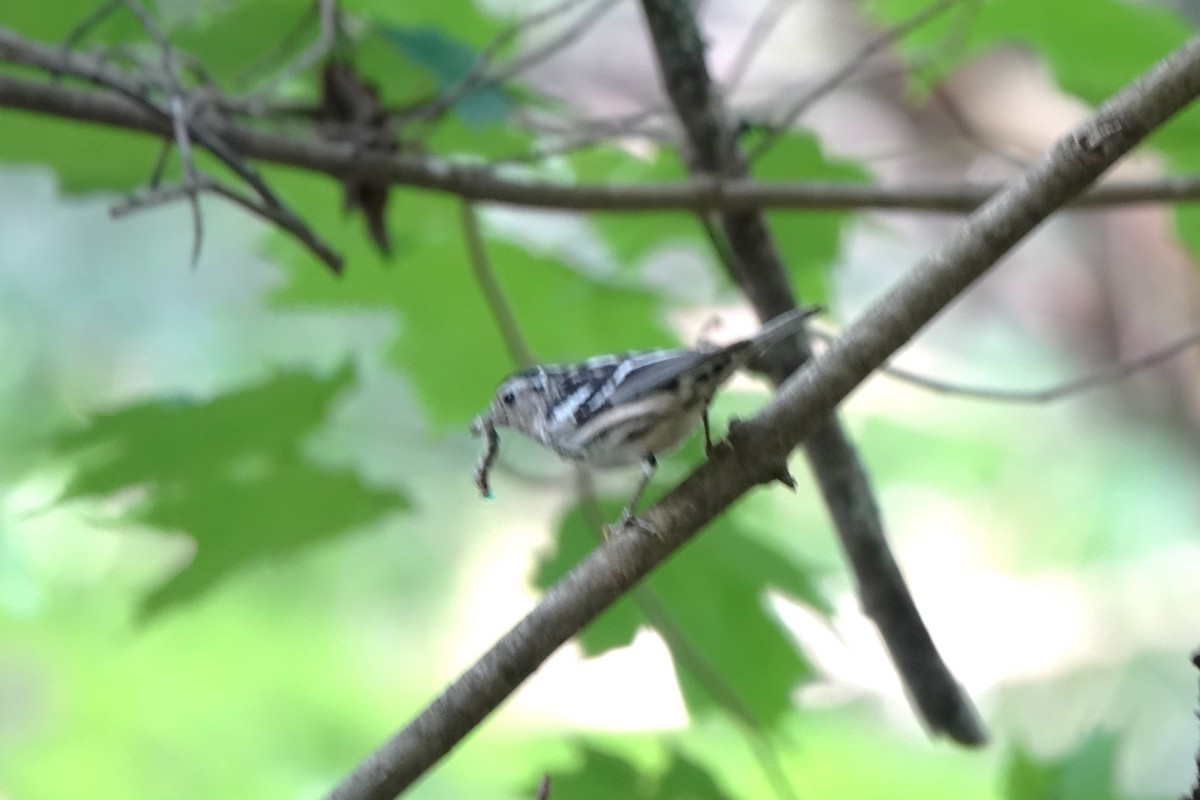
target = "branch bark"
x: 346, y: 162
x: 802, y: 404
x: 757, y: 267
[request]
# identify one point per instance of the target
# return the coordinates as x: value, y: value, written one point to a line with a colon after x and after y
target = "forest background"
x: 240, y: 545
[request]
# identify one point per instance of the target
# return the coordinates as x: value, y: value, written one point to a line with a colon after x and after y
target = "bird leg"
x: 649, y: 466
x: 708, y: 442
x: 628, y: 517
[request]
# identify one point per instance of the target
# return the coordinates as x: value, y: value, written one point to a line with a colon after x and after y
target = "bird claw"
x: 628, y: 520
x: 784, y: 476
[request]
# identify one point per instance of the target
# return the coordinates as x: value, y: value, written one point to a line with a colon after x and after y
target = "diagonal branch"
x: 288, y: 223
x: 756, y: 265
x: 802, y: 404
x: 179, y: 110
x: 656, y: 613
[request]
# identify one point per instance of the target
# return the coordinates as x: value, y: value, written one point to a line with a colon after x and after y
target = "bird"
x: 621, y: 409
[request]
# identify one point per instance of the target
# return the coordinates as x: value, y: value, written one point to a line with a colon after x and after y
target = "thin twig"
x: 489, y: 284
x: 481, y: 74
x: 328, y: 29
x: 160, y: 164
x: 191, y: 177
x: 277, y: 216
x: 950, y: 107
x: 565, y: 38
x: 838, y: 77
x: 761, y: 28
x: 89, y: 23
x: 563, y: 124
x: 16, y: 49
x: 178, y: 109
x: 1110, y: 374
x: 484, y: 184
x: 268, y: 60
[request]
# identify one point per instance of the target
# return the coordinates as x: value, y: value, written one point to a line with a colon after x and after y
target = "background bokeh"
x: 239, y: 542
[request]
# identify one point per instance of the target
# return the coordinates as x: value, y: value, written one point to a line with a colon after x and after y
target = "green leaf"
x: 1083, y: 774
x: 71, y: 149
x: 450, y: 61
x: 470, y: 26
x: 714, y: 591
x: 603, y: 777
x: 809, y: 241
x: 247, y: 40
x: 36, y: 20
x: 230, y: 472
x: 1135, y: 36
x: 632, y: 237
x: 449, y: 345
x: 614, y: 627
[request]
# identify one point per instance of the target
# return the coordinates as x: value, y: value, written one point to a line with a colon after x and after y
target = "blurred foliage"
x: 303, y: 619
x: 602, y: 776
x: 230, y: 472
x: 1065, y: 35
x: 1084, y: 774
x: 716, y: 592
x: 450, y: 62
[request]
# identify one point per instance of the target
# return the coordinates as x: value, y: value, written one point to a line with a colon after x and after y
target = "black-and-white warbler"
x: 620, y: 410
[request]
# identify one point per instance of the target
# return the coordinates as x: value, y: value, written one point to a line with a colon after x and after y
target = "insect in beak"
x: 483, y: 426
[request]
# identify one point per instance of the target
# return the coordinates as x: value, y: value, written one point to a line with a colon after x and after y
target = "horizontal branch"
x: 482, y: 184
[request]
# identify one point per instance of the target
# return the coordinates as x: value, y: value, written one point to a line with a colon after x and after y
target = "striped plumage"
x: 620, y: 410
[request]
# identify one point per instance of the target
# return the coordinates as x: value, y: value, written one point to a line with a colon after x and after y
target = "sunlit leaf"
x: 603, y: 777
x: 714, y: 592
x: 230, y: 472
x: 30, y: 17
x: 70, y: 149
x: 634, y: 236
x: 448, y: 343
x: 450, y: 61
x: 809, y: 241
x: 1085, y: 773
x: 1136, y: 35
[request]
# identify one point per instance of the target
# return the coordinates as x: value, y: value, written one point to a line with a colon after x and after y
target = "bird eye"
x: 507, y: 398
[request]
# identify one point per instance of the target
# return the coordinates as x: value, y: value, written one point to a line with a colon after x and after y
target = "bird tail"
x: 779, y: 328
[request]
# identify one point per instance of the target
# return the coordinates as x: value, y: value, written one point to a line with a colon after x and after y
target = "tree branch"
x: 343, y: 161
x: 1094, y: 380
x: 755, y: 263
x: 288, y: 223
x: 839, y: 76
x: 484, y: 74
x: 802, y: 404
x: 688, y: 658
